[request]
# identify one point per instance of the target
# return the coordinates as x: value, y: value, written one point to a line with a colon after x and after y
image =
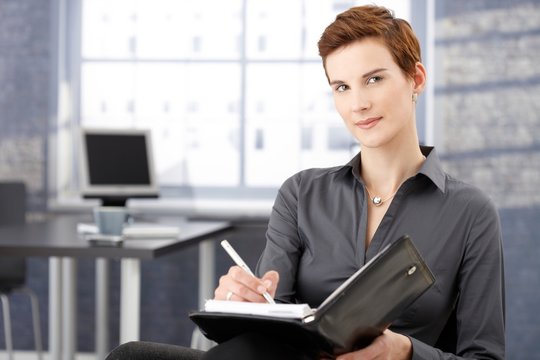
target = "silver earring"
x: 414, y: 97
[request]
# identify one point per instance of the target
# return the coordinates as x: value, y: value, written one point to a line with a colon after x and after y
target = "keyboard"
x: 137, y: 230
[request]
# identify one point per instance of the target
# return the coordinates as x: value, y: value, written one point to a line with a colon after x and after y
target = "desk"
x: 56, y: 238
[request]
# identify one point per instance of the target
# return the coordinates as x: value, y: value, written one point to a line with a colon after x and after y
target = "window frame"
x: 63, y: 177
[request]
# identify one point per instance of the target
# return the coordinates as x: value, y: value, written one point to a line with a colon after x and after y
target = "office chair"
x: 13, y: 270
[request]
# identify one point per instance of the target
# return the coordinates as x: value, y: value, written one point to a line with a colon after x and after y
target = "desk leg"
x: 55, y: 307
x: 130, y: 299
x: 102, y: 307
x: 69, y: 300
x: 207, y: 284
x: 207, y: 271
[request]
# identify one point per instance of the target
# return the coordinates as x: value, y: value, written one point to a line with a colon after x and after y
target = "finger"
x: 348, y: 356
x: 375, y: 350
x: 369, y: 352
x: 226, y: 284
x: 270, y: 281
x: 241, y: 276
x: 243, y: 293
x: 244, y: 286
x: 238, y: 292
x: 232, y: 297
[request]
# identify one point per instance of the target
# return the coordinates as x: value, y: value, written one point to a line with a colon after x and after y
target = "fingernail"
x: 267, y: 283
x: 261, y: 289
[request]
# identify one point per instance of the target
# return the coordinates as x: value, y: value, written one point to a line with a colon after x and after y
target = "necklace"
x: 377, y: 200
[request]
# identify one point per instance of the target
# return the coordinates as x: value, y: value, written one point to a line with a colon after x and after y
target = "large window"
x: 233, y: 91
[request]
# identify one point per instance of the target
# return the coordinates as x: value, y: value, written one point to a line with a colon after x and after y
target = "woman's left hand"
x: 389, y: 345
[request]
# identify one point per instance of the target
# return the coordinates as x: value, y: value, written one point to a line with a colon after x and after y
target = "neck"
x: 384, y: 169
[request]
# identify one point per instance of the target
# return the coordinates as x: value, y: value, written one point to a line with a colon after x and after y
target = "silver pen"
x: 238, y: 260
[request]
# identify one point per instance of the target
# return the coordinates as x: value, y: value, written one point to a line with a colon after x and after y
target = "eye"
x: 374, y: 79
x: 341, y: 88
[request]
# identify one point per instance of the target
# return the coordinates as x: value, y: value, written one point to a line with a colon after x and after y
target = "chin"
x: 375, y: 140
x: 371, y: 143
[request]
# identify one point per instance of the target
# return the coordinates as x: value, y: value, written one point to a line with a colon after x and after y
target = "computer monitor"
x: 117, y: 165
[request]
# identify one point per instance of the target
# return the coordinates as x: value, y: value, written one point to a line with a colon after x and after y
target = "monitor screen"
x: 117, y: 165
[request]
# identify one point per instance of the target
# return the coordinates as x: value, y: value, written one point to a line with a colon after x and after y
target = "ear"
x: 419, y: 78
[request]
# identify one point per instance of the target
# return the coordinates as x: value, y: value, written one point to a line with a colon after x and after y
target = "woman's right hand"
x: 238, y: 285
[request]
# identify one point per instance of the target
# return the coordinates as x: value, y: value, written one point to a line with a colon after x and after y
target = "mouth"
x: 368, y: 123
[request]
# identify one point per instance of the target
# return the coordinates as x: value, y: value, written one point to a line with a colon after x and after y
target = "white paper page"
x: 292, y: 311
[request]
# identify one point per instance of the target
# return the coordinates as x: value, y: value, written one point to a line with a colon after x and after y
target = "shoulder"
x: 469, y: 201
x: 466, y: 194
x: 316, y: 175
x: 313, y: 183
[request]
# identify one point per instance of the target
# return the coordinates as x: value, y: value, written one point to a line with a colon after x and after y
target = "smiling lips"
x: 367, y: 123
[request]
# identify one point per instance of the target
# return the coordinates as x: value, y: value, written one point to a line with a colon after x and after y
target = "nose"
x: 360, y: 102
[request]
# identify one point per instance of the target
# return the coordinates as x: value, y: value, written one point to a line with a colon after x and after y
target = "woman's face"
x: 371, y: 92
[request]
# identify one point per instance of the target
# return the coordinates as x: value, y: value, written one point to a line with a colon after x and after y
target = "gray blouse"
x: 316, y: 236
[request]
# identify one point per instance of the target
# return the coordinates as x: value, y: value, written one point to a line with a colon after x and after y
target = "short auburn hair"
x: 378, y: 22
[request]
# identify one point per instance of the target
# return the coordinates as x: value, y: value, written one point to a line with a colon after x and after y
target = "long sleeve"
x: 316, y: 240
x: 480, y: 311
x: 283, y: 246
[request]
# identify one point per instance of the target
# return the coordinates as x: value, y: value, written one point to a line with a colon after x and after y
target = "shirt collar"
x: 431, y: 168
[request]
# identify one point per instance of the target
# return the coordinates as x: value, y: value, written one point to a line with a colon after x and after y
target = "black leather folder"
x: 351, y: 317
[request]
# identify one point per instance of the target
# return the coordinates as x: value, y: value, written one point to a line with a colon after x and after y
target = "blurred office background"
x: 237, y: 101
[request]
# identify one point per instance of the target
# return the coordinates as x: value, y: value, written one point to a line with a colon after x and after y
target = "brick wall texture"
x: 488, y: 113
x: 24, y: 94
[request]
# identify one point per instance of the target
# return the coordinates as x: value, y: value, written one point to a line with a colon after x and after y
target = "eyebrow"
x: 366, y: 75
x: 369, y: 73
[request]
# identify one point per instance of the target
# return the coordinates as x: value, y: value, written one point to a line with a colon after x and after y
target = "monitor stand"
x: 114, y: 201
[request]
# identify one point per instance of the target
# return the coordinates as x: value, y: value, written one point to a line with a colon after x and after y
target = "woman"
x: 326, y: 223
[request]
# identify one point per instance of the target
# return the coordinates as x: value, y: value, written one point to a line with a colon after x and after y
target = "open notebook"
x: 291, y: 311
x: 349, y: 318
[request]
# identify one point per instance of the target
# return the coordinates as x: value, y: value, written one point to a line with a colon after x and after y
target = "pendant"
x: 377, y: 201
